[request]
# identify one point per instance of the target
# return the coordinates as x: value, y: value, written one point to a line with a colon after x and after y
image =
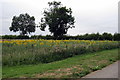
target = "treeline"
x: 93, y: 36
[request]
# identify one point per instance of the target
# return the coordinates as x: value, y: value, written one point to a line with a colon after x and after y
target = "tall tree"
x: 58, y: 18
x: 24, y: 23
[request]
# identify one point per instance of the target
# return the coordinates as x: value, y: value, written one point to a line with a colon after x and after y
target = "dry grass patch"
x: 59, y: 72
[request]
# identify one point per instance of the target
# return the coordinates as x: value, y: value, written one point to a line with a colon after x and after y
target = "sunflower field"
x: 19, y: 52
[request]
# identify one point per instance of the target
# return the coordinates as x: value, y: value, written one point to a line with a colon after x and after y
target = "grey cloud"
x: 87, y: 21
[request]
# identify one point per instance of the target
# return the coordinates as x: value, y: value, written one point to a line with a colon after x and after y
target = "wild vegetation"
x: 18, y: 52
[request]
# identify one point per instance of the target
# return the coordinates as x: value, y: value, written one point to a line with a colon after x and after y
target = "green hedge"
x: 93, y: 36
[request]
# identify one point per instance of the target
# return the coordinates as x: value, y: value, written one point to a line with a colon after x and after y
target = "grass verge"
x: 73, y: 67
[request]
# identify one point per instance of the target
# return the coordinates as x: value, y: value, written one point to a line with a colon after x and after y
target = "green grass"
x: 0, y: 71
x: 87, y: 62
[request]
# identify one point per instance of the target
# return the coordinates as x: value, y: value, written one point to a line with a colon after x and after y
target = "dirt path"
x: 110, y: 71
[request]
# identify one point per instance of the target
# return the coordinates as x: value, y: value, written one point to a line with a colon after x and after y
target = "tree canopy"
x: 58, y: 18
x: 24, y: 23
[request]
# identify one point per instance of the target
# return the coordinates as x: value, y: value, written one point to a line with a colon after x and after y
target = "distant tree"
x: 59, y: 19
x: 86, y: 36
x: 97, y: 36
x: 23, y: 23
x: 107, y: 36
x: 117, y: 36
x: 91, y: 36
x: 94, y: 36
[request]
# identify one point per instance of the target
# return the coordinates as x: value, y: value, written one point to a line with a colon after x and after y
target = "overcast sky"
x: 91, y: 16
